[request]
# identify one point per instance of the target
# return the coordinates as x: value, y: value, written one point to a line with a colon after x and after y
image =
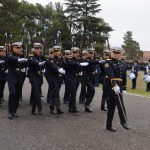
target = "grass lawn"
x: 141, y: 86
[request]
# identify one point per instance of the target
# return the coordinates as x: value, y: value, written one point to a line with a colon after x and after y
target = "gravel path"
x: 80, y: 131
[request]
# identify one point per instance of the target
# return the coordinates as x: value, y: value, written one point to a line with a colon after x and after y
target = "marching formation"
x: 71, y: 67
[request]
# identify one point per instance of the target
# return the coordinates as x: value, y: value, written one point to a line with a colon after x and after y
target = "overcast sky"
x: 123, y: 15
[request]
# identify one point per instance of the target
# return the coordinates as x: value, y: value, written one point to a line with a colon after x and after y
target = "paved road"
x: 75, y: 131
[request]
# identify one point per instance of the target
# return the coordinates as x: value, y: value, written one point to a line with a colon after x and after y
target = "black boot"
x: 40, y: 112
x: 33, y: 110
x: 11, y: 116
x: 15, y: 115
x: 103, y: 108
x: 59, y: 112
x: 52, y: 110
x: 87, y: 109
x: 111, y: 129
x: 0, y: 103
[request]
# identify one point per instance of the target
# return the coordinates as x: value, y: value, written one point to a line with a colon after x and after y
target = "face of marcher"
x: 116, y: 55
x: 106, y: 55
x: 90, y: 55
x: 68, y: 55
x: 57, y: 52
x: 76, y: 54
x: 17, y: 49
x: 2, y: 52
x: 51, y: 54
x: 84, y: 56
x: 37, y: 51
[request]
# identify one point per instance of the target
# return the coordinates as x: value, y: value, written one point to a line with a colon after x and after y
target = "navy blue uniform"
x: 72, y: 69
x: 147, y: 72
x: 35, y: 75
x: 23, y: 71
x: 105, y: 96
x: 15, y: 79
x: 88, y: 79
x: 115, y: 74
x: 67, y: 87
x: 54, y: 81
x: 3, y: 68
x: 82, y: 96
x: 135, y: 69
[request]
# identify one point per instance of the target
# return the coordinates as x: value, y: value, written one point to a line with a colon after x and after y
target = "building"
x: 146, y: 55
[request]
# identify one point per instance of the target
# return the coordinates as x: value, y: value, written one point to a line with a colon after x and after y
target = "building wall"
x: 146, y: 55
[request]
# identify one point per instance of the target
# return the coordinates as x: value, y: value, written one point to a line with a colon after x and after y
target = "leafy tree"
x: 82, y: 20
x: 131, y: 47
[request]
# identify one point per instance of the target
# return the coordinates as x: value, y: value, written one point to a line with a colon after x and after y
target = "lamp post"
x: 59, y: 37
x: 6, y: 39
x: 106, y: 36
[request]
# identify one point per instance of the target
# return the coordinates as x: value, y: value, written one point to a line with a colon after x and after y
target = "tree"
x: 82, y: 20
x: 131, y: 47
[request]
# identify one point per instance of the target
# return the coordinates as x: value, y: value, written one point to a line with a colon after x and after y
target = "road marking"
x: 137, y: 95
x: 130, y: 94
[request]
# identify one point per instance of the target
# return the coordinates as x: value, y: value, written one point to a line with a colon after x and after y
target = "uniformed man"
x: 88, y: 78
x: 23, y: 71
x: 147, y: 72
x: 67, y: 57
x: 135, y: 69
x: 72, y: 68
x: 58, y: 60
x: 35, y: 75
x: 14, y: 78
x: 54, y: 73
x: 106, y: 56
x: 3, y: 70
x: 82, y: 96
x: 115, y: 81
x: 50, y: 58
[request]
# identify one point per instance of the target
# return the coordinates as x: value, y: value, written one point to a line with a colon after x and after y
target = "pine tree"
x: 131, y: 47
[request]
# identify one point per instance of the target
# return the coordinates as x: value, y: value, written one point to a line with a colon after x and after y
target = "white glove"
x: 117, y: 89
x: 2, y: 61
x: 84, y: 64
x: 44, y: 70
x: 42, y: 63
x: 81, y: 73
x: 101, y: 61
x: 124, y: 92
x: 96, y: 71
x: 6, y: 71
x: 23, y: 70
x: 62, y: 71
x: 22, y: 60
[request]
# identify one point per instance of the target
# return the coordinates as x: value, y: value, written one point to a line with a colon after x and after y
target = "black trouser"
x: 104, y: 98
x: 36, y: 96
x: 49, y: 91
x: 54, y: 87
x: 73, y: 83
x: 41, y: 80
x: 113, y: 101
x: 14, y: 92
x: 31, y: 96
x: 2, y: 86
x: 82, y: 96
x: 134, y: 83
x: 21, y: 84
x: 67, y: 95
x: 148, y: 87
x: 89, y: 82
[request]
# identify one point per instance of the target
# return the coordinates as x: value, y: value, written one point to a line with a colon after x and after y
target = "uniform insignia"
x: 106, y: 65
